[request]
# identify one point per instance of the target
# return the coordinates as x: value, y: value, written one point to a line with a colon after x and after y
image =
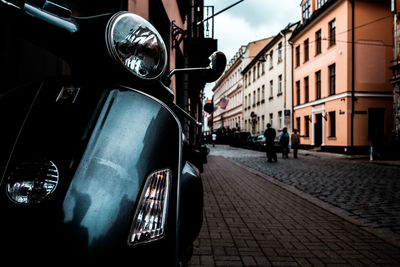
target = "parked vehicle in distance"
x: 252, y: 141
x: 277, y: 145
x: 260, y: 143
x: 239, y: 139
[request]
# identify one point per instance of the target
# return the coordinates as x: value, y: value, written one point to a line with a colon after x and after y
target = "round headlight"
x: 32, y: 181
x: 134, y: 42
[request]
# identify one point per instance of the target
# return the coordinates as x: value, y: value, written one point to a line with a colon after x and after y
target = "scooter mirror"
x: 211, y: 73
x: 216, y: 67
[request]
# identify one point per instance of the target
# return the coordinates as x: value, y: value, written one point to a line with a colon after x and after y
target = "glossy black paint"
x: 105, y: 144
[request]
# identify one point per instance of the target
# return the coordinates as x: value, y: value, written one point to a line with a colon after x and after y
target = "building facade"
x: 396, y: 76
x: 342, y: 97
x: 229, y: 88
x: 267, y: 83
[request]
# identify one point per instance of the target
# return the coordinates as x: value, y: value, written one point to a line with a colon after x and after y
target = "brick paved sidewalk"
x: 250, y: 221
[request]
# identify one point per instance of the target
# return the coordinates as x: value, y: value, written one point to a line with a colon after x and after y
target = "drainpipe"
x: 352, y: 77
x: 292, y: 76
x: 395, y: 77
x: 284, y: 69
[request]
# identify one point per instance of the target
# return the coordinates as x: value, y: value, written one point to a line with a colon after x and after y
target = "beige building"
x: 267, y: 86
x: 230, y: 88
x: 342, y: 95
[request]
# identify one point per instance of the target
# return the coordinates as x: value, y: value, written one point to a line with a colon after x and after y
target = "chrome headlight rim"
x: 136, y: 22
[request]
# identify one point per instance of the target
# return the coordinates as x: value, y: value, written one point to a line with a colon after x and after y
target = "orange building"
x: 342, y: 95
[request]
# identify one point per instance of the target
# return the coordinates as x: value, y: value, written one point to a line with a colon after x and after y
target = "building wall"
x: 373, y: 39
x: 374, y: 45
x: 230, y: 85
x: 278, y: 71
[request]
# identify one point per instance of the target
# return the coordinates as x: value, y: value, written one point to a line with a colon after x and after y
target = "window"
x: 262, y: 93
x: 307, y: 126
x: 262, y: 122
x: 245, y: 80
x: 258, y: 95
x: 279, y: 84
x: 271, y: 61
x: 262, y: 68
x: 332, y: 78
x: 332, y: 32
x: 318, y: 85
x: 306, y: 57
x: 254, y: 73
x: 280, y: 52
x: 332, y: 124
x: 249, y: 77
x: 245, y: 102
x: 271, y: 88
x: 280, y: 119
x: 249, y: 100
x: 318, y: 42
x: 258, y: 70
x: 320, y: 3
x: 254, y: 98
x: 297, y: 56
x: 306, y: 90
x: 271, y: 118
x: 298, y: 125
x: 306, y: 10
x: 298, y: 92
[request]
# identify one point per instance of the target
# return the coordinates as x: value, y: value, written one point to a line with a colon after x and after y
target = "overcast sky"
x: 249, y: 21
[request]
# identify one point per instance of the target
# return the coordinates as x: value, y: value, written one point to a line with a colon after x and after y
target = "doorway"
x: 318, y: 130
x: 376, y: 118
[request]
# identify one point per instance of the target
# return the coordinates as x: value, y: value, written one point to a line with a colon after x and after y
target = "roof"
x: 273, y: 41
x: 253, y: 47
x: 312, y: 18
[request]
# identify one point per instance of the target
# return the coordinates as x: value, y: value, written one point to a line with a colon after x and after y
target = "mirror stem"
x: 173, y: 72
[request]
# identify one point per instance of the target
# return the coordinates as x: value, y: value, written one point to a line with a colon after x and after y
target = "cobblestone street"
x: 367, y: 192
x: 319, y: 210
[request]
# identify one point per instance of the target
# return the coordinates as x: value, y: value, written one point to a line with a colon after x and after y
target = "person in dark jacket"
x: 295, y: 141
x: 270, y: 135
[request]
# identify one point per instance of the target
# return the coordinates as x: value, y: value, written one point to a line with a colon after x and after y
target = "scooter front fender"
x: 104, y: 144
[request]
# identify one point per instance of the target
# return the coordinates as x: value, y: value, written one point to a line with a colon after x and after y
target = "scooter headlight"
x: 32, y: 181
x: 136, y: 44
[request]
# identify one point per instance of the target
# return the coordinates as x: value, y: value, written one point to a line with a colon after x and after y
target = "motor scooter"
x: 94, y: 165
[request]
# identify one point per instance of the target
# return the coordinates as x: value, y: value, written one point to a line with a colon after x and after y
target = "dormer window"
x: 320, y: 3
x: 306, y: 10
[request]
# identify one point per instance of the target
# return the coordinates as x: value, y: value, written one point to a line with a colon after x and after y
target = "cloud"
x: 233, y: 32
x: 260, y: 12
x: 249, y: 21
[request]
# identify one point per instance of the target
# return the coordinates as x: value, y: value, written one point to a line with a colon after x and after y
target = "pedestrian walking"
x: 284, y: 141
x: 213, y: 138
x: 295, y: 141
x: 270, y: 135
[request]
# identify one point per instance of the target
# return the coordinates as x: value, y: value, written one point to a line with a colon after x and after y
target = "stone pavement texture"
x: 368, y: 192
x: 251, y: 221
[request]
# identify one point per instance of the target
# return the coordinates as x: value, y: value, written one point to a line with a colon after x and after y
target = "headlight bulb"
x: 135, y: 43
